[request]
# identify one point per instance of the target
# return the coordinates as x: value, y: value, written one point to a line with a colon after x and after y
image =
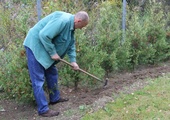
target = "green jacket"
x: 52, y: 34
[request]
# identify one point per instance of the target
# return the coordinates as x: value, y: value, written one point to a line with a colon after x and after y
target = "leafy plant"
x: 88, y: 59
x: 148, y: 42
x: 14, y: 75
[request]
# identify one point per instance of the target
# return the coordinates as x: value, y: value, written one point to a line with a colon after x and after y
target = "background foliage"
x: 100, y: 49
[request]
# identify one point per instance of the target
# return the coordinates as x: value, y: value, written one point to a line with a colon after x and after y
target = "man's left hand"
x: 75, y: 66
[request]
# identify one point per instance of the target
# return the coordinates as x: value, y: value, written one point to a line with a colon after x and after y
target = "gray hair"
x: 82, y: 15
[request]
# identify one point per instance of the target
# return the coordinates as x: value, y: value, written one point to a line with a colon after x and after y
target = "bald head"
x: 81, y: 19
x: 82, y: 15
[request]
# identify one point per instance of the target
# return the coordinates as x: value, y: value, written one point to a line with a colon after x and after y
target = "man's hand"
x: 55, y: 57
x: 75, y: 66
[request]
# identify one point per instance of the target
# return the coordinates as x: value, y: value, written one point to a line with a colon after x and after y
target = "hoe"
x: 103, y: 81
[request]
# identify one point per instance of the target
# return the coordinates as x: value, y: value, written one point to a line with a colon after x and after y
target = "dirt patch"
x: 82, y: 100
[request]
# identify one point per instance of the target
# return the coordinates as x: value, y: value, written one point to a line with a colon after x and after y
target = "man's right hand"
x: 55, y: 57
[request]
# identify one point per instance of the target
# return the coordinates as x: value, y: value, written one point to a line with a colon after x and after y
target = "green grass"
x: 150, y: 103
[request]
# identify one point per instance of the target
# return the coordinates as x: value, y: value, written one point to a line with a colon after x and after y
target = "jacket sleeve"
x: 72, y: 52
x: 51, y: 30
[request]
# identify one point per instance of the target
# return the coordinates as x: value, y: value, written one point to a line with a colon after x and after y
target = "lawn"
x: 150, y: 103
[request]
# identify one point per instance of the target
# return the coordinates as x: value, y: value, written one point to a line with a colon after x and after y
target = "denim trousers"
x: 39, y: 75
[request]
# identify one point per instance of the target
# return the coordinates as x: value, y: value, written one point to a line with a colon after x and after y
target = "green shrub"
x: 5, y: 27
x: 108, y: 35
x: 14, y: 76
x: 88, y: 59
x: 148, y: 38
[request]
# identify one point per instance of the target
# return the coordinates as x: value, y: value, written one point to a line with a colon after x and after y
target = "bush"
x: 148, y: 39
x: 14, y: 76
x: 88, y: 59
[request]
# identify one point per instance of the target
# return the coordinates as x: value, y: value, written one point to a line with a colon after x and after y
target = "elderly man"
x: 46, y: 42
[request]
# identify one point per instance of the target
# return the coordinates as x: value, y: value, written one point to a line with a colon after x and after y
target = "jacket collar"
x: 72, y: 22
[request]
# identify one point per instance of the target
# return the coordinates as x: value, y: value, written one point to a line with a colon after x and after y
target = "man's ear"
x: 79, y: 20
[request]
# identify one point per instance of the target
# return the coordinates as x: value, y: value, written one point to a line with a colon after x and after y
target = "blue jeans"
x: 38, y: 76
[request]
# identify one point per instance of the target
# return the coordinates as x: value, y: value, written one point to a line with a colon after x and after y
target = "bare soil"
x: 84, y: 100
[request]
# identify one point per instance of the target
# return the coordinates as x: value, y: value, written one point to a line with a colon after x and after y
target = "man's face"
x: 80, y: 24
